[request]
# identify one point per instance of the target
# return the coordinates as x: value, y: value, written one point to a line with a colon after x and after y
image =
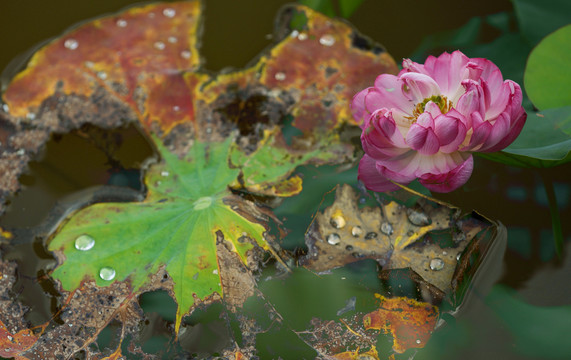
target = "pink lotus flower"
x: 427, y: 121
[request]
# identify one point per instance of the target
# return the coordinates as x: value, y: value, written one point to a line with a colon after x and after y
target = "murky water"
x: 234, y: 33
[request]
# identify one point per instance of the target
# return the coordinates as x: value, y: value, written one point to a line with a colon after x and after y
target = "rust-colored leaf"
x: 131, y: 55
x: 410, y: 322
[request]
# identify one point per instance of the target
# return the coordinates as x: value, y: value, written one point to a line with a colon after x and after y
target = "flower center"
x: 443, y: 103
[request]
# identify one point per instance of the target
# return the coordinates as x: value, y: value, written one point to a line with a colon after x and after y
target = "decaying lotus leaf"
x: 395, y: 236
x: 408, y: 321
x: 143, y: 65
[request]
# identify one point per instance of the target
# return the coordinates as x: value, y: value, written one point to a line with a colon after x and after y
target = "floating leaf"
x: 223, y: 133
x: 428, y: 238
x: 408, y: 321
x: 545, y: 141
x: 546, y: 82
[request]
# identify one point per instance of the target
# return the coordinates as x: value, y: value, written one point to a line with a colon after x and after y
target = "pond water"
x: 525, y: 315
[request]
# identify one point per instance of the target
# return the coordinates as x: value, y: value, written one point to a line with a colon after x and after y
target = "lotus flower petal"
x: 426, y: 121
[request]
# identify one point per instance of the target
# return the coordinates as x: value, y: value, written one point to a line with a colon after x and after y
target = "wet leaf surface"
x: 220, y: 139
x: 429, y: 238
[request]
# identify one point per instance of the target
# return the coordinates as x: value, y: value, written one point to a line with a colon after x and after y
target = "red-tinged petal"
x: 448, y: 71
x: 490, y: 73
x: 500, y: 129
x: 391, y: 88
x: 358, y: 106
x: 374, y: 100
x: 422, y: 139
x: 513, y: 133
x: 372, y: 179
x: 425, y: 120
x: 470, y: 101
x: 402, y: 175
x: 450, y: 131
x: 417, y: 87
x: 451, y: 180
x: 472, y: 71
x: 410, y: 66
x: 433, y: 109
x: 380, y: 138
x: 479, y: 136
x: 500, y: 100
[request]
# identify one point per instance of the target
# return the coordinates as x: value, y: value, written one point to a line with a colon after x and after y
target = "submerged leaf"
x: 408, y: 321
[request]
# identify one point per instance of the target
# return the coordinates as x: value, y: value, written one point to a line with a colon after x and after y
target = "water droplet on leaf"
x: 387, y: 228
x: 159, y: 45
x: 302, y: 36
x: 327, y: 40
x: 169, y: 12
x: 71, y: 44
x: 107, y: 273
x: 417, y: 217
x: 371, y: 235
x: 337, y: 220
x: 84, y: 242
x: 172, y: 39
x: 185, y: 54
x: 122, y: 23
x: 333, y: 239
x: 436, y: 264
x: 356, y: 231
x: 280, y: 76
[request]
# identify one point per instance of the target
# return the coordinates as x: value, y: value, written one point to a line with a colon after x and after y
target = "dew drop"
x: 185, y: 54
x: 121, y: 23
x: 294, y: 33
x: 209, y: 130
x: 159, y: 45
x: 169, y: 12
x: 436, y: 264
x: 333, y: 239
x: 280, y: 76
x: 337, y: 220
x: 215, y: 271
x: 165, y: 173
x: 30, y: 116
x: 371, y: 235
x: 356, y: 231
x: 102, y: 75
x: 71, y: 44
x: 458, y: 256
x: 387, y: 228
x: 327, y: 40
x: 5, y: 107
x: 84, y: 242
x: 172, y: 39
x: 349, y: 247
x: 176, y: 108
x: 418, y: 341
x: 418, y: 218
x: 107, y: 273
x: 302, y: 36
x: 357, y: 255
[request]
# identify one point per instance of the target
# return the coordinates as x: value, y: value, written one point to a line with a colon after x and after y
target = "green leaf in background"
x: 348, y: 7
x: 538, y: 332
x: 548, y: 71
x: 545, y: 141
x: 537, y: 18
x: 176, y: 227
